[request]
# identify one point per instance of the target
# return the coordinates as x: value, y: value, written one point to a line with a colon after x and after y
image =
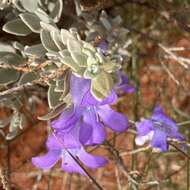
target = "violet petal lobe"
x: 144, y: 127
x: 70, y: 165
x: 91, y: 161
x: 48, y: 160
x: 67, y: 119
x: 98, y: 130
x: 115, y: 120
x: 159, y: 140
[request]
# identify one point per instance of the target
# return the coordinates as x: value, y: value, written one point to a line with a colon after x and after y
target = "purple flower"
x: 103, y: 45
x: 56, y: 151
x: 157, y: 129
x: 89, y: 114
x: 124, y: 83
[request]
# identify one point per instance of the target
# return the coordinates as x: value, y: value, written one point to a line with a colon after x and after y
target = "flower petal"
x: 69, y: 139
x: 48, y: 160
x: 144, y: 127
x: 68, y: 118
x: 90, y: 100
x: 70, y: 165
x: 98, y: 134
x: 85, y: 133
x: 166, y: 123
x: 115, y: 120
x: 141, y: 140
x: 159, y: 140
x: 79, y: 87
x: 127, y: 88
x: 53, y: 143
x: 90, y: 160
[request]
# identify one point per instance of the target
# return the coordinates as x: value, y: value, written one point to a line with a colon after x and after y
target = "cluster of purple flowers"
x: 83, y: 124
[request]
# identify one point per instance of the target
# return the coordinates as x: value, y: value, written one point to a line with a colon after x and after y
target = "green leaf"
x: 28, y: 77
x: 70, y: 63
x: 30, y: 5
x: 11, y: 58
x: 35, y: 50
x: 63, y: 84
x: 43, y: 16
x: 57, y: 11
x: 56, y: 36
x: 18, y: 46
x: 65, y: 53
x: 79, y: 58
x: 102, y: 85
x: 65, y: 35
x: 16, y: 27
x: 53, y: 113
x: 74, y: 45
x: 47, y: 41
x: 49, y: 27
x: 53, y: 97
x: 32, y: 21
x: 8, y: 76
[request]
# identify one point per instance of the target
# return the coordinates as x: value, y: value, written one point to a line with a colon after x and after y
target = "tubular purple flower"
x: 90, y: 114
x: 157, y: 129
x: 57, y: 151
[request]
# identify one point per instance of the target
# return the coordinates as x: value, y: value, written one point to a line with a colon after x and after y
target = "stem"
x: 86, y: 172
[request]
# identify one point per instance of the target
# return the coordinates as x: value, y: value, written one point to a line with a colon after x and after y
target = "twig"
x: 86, y: 172
x: 119, y: 161
x: 143, y: 149
x: 172, y: 55
x: 184, y: 153
x: 169, y: 73
x: 118, y: 179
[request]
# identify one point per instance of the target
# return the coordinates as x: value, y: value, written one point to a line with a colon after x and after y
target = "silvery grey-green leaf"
x: 30, y: 5
x: 53, y: 97
x: 28, y: 77
x: 74, y: 45
x: 18, y: 46
x: 47, y: 41
x: 6, y: 47
x: 49, y: 26
x: 8, y: 76
x: 37, y: 50
x: 65, y: 53
x: 79, y: 58
x: 32, y: 21
x: 43, y: 16
x: 65, y: 35
x: 57, y: 11
x: 102, y: 85
x: 56, y: 36
x: 11, y: 58
x: 16, y: 27
x: 53, y: 113
x: 70, y: 63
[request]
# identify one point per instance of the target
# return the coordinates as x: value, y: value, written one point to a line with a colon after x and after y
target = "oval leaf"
x: 16, y: 27
x: 54, y: 113
x: 57, y: 11
x: 35, y: 50
x: 102, y: 85
x: 47, y: 41
x: 53, y: 97
x: 32, y: 21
